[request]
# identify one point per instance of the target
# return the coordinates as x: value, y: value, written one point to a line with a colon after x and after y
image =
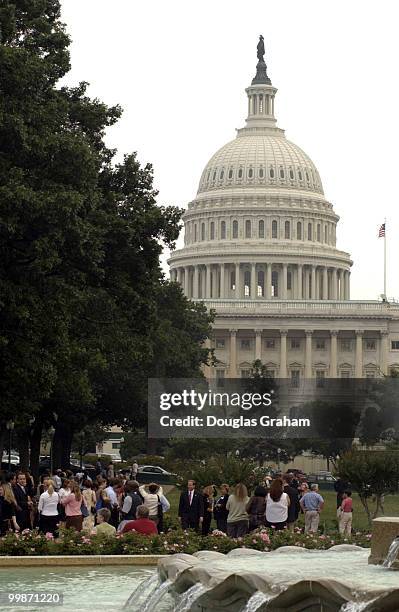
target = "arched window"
x: 214, y: 176
x: 222, y: 175
x: 235, y: 229
x: 223, y: 229
x: 282, y: 174
x: 195, y: 233
x: 250, y: 173
x: 318, y: 233
x: 307, y: 176
x: 274, y: 229
x: 287, y: 229
x: 231, y: 173
x: 261, y: 229
x: 247, y: 229
x: 271, y: 173
x: 325, y: 233
x: 209, y: 175
x: 240, y: 173
x: 291, y: 174
x: 299, y: 174
x: 212, y: 230
x: 309, y: 231
x: 299, y: 231
x: 202, y: 231
x: 261, y: 173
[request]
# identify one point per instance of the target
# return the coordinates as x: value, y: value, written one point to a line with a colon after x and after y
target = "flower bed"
x: 73, y: 543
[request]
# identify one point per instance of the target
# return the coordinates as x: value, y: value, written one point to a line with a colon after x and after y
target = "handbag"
x: 160, y: 515
x: 84, y: 510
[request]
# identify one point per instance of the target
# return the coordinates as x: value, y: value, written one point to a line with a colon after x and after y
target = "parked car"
x: 14, y: 458
x: 325, y: 480
x: 154, y: 473
x: 74, y: 466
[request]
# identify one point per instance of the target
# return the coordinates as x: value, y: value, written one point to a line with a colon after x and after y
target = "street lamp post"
x: 10, y: 427
x: 278, y: 458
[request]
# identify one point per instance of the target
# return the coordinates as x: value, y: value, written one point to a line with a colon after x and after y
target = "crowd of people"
x: 116, y: 503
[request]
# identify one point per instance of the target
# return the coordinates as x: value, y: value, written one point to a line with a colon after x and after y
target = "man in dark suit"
x: 191, y: 507
x: 23, y: 502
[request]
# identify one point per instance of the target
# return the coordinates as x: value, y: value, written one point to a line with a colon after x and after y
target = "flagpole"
x: 385, y: 258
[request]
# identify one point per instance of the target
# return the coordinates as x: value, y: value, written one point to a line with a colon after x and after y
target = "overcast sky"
x: 179, y: 69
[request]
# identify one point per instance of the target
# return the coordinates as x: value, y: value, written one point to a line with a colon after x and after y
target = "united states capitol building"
x: 260, y: 249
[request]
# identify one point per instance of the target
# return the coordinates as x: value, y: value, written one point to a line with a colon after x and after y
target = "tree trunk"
x: 2, y: 441
x: 35, y: 441
x: 367, y: 509
x: 61, y: 447
x: 23, y: 448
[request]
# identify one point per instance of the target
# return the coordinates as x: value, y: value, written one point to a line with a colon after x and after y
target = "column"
x: 283, y: 353
x: 203, y: 281
x: 299, y: 283
x: 317, y: 284
x: 341, y: 285
x: 258, y: 344
x: 208, y: 281
x: 238, y: 293
x: 180, y: 276
x: 334, y: 284
x: 333, y: 353
x: 325, y: 283
x: 215, y: 282
x: 313, y: 287
x: 306, y: 296
x: 222, y: 281
x: 284, y: 283
x: 254, y: 282
x: 195, y: 283
x: 308, y: 353
x: 268, y: 288
x: 347, y: 285
x: 359, y: 354
x: 384, y: 352
x: 233, y: 353
x: 186, y: 281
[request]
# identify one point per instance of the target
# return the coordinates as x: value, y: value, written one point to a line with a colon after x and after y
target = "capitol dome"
x: 260, y: 160
x: 260, y: 226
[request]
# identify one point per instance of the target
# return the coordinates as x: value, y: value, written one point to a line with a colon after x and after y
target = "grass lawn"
x: 328, y: 516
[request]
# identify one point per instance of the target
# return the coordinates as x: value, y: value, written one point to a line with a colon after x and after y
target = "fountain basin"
x: 385, y: 530
x: 289, y: 578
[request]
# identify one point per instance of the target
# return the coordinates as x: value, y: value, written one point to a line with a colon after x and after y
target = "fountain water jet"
x: 392, y: 553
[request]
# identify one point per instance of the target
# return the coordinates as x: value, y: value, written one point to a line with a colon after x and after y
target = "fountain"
x: 344, y: 578
x: 385, y: 531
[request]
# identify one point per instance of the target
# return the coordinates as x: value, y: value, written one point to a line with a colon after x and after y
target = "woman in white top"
x: 277, y: 503
x: 152, y: 499
x: 48, y: 510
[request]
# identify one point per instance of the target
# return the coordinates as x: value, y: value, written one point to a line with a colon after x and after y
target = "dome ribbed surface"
x: 260, y: 159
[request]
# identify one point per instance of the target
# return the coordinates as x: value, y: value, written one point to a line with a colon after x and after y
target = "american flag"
x: 381, y: 232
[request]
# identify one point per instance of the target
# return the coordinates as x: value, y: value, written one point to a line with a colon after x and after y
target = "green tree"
x: 80, y: 240
x: 371, y: 474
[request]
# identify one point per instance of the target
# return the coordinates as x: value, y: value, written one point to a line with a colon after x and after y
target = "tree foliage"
x: 85, y: 313
x: 371, y: 474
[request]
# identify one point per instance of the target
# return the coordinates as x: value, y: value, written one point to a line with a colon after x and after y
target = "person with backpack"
x: 156, y: 503
x: 133, y: 499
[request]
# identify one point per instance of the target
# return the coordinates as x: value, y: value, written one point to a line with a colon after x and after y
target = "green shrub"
x: 173, y: 541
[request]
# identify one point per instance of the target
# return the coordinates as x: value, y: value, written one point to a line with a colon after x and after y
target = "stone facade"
x: 260, y: 249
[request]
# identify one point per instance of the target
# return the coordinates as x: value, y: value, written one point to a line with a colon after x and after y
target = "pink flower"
x: 49, y: 536
x: 265, y: 537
